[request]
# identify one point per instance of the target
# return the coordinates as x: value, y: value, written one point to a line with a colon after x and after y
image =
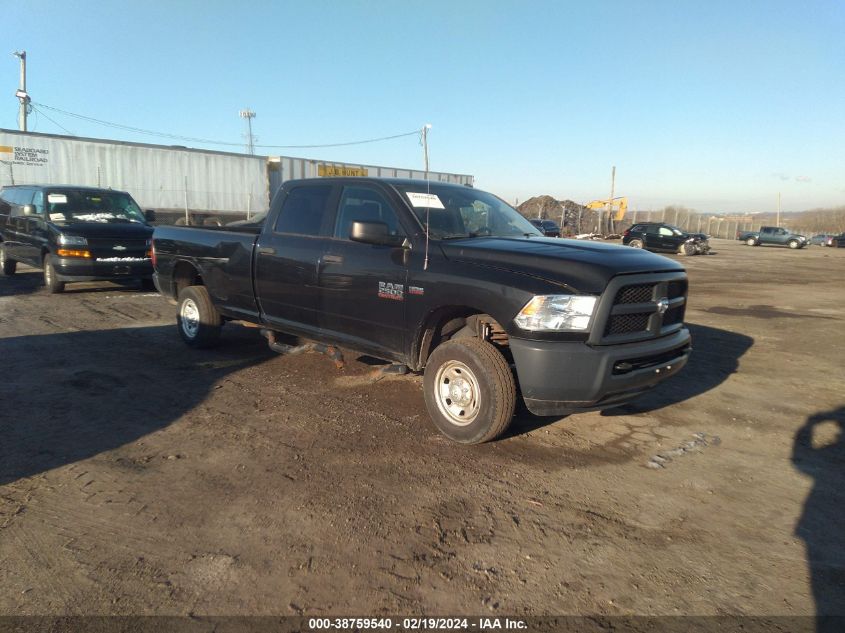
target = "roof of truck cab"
x: 405, y: 182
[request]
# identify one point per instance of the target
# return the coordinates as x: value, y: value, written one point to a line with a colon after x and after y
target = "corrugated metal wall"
x: 170, y: 178
x: 158, y: 177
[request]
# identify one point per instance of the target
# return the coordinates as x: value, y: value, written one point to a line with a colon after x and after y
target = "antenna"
x: 425, y: 130
x: 249, y: 115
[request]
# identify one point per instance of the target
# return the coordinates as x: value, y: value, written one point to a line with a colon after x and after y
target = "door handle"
x: 332, y: 259
x: 266, y: 250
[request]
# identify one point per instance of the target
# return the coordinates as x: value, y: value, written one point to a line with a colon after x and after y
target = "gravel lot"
x: 140, y: 477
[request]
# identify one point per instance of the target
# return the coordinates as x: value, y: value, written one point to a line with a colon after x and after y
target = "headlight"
x: 555, y: 313
x: 72, y: 240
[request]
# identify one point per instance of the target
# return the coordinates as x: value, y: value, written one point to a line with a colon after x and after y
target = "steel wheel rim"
x: 457, y: 393
x: 48, y: 274
x: 636, y: 244
x: 2, y: 257
x: 190, y: 318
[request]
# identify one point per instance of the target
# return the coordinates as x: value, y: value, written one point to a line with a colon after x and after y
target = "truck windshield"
x: 76, y: 205
x: 455, y: 212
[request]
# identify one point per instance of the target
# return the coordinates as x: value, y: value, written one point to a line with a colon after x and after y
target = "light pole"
x: 249, y: 115
x: 21, y: 94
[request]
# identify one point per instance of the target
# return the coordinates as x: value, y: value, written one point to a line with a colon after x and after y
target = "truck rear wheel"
x: 470, y: 391
x: 9, y: 266
x: 198, y: 321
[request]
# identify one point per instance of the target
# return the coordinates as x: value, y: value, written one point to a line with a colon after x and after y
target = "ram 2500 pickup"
x: 444, y: 279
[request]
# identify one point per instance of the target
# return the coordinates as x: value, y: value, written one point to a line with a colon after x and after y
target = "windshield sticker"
x: 99, y: 217
x: 57, y: 217
x: 387, y: 290
x: 57, y: 198
x: 424, y: 200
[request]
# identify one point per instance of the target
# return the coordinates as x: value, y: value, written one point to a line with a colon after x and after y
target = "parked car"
x: 661, y: 237
x: 75, y: 234
x: 549, y: 228
x: 823, y: 239
x: 838, y: 241
x: 439, y: 278
x: 772, y: 235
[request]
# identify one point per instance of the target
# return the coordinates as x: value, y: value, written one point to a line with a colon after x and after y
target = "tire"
x: 51, y: 281
x: 480, y: 375
x: 793, y: 244
x: 635, y: 243
x: 686, y: 249
x: 751, y: 241
x: 197, y: 319
x: 8, y: 266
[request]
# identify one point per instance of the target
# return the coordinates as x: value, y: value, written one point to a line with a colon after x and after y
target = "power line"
x: 53, y: 121
x: 192, y: 139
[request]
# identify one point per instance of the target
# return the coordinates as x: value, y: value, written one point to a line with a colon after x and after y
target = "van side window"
x: 361, y: 204
x: 304, y: 210
x: 38, y: 201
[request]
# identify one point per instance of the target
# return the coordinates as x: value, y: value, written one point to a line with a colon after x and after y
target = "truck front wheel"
x: 51, y: 280
x: 751, y: 241
x: 470, y: 391
x: 198, y: 321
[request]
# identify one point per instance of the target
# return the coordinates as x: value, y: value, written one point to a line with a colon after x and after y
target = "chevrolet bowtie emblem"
x: 662, y: 305
x: 119, y: 248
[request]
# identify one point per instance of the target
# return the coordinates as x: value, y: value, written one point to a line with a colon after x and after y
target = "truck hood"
x: 584, y: 266
x: 117, y: 230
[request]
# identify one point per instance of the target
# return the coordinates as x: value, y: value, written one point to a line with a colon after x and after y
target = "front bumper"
x: 77, y: 269
x: 557, y: 378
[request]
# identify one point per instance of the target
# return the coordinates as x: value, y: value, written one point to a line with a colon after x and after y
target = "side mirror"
x: 29, y: 209
x: 150, y: 215
x: 374, y: 233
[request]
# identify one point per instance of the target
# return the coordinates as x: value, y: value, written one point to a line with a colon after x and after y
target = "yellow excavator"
x: 620, y: 205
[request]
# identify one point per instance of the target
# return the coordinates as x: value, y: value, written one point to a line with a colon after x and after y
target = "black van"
x: 75, y: 234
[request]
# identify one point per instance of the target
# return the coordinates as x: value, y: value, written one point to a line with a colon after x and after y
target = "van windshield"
x: 458, y: 212
x: 75, y: 205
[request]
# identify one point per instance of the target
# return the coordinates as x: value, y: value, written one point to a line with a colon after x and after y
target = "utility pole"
x: 21, y: 94
x: 425, y: 130
x: 249, y: 115
x: 778, y: 222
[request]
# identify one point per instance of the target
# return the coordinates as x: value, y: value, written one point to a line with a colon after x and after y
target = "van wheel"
x: 751, y: 241
x: 51, y: 281
x: 470, y: 391
x: 9, y: 266
x: 635, y: 243
x: 198, y: 321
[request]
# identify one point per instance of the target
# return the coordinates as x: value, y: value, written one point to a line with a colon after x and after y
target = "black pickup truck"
x: 442, y: 278
x: 75, y: 234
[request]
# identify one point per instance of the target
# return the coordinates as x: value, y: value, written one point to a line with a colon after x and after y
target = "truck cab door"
x: 363, y: 286
x: 287, y: 253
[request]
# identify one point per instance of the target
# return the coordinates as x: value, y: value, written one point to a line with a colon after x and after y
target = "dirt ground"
x: 140, y: 477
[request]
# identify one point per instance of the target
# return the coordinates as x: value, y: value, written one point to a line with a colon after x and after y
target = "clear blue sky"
x: 715, y: 105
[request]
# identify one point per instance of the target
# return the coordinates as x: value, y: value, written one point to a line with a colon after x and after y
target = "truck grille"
x: 642, y: 307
